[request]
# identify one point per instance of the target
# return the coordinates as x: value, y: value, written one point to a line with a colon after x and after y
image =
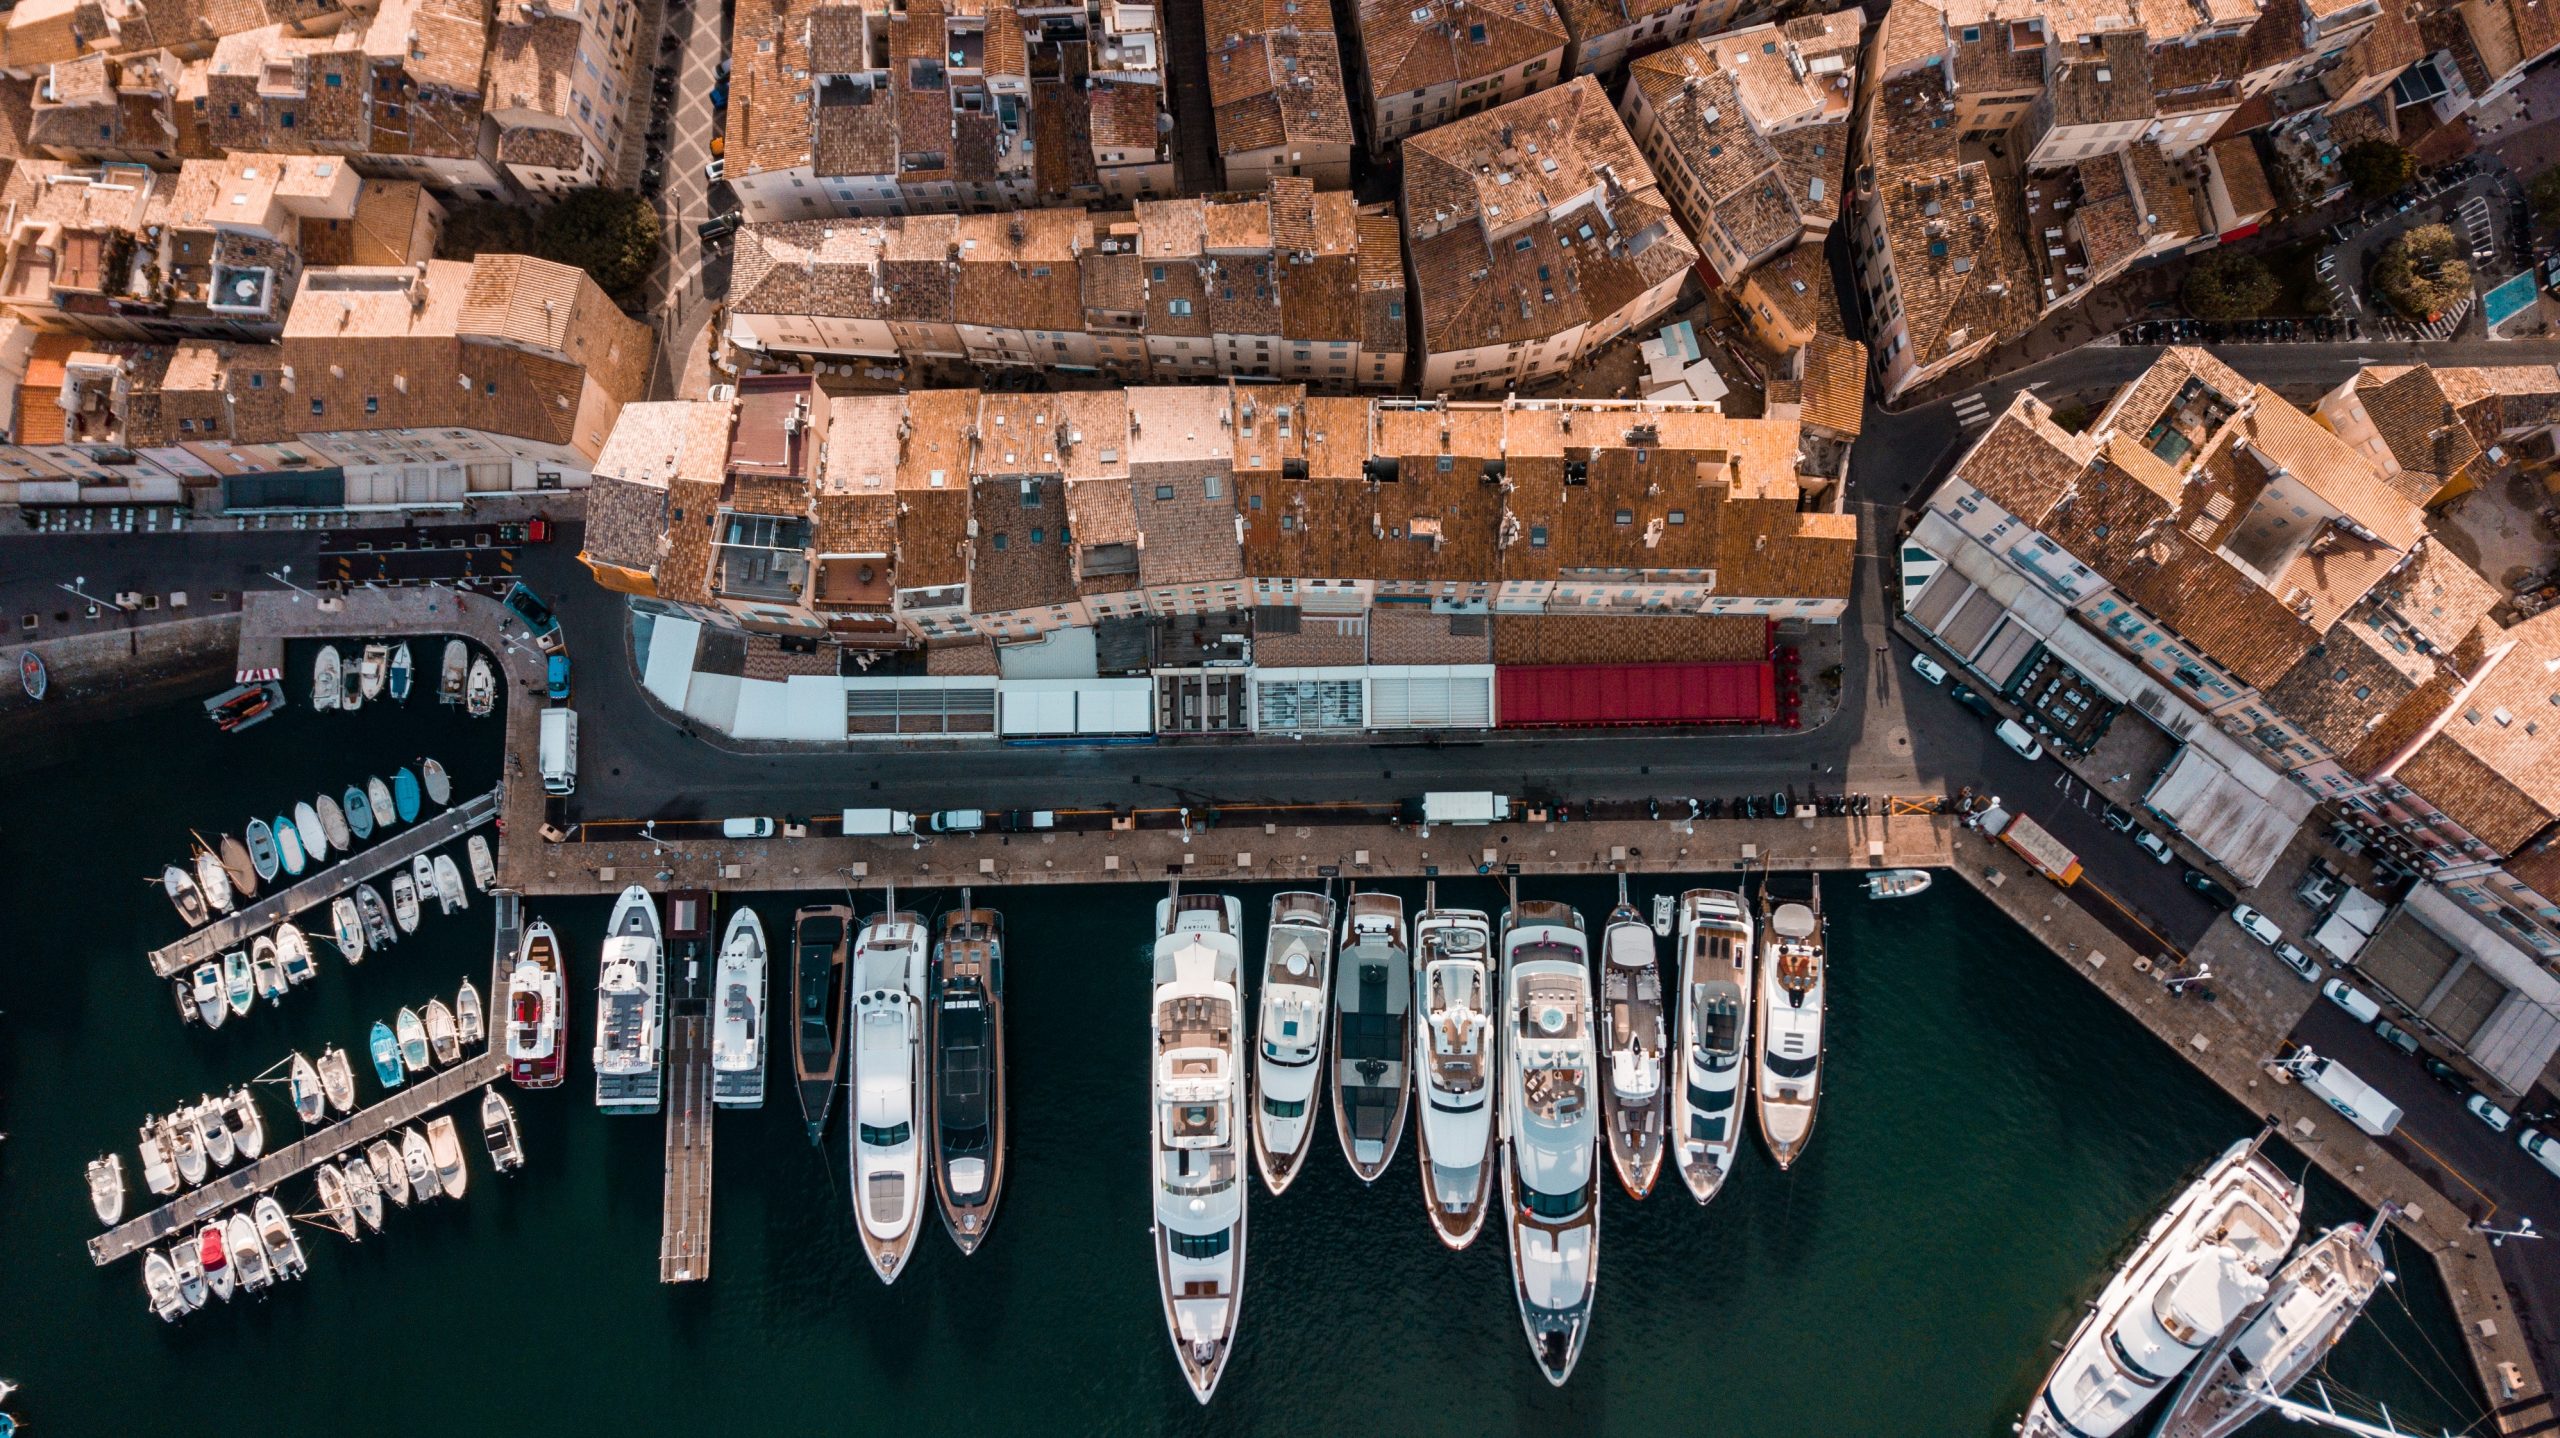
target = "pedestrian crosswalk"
x: 1971, y: 412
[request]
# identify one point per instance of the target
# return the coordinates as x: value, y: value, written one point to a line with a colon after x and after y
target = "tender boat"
x: 1291, y: 1023
x: 1789, y: 1041
x: 630, y: 1007
x: 886, y: 1111
x: 537, y: 1018
x: 377, y: 797
x: 2313, y: 1301
x: 248, y: 1256
x: 185, y: 1257
x: 248, y: 1126
x: 1897, y: 883
x: 351, y: 695
x: 284, y: 1248
x: 404, y: 901
x: 266, y: 970
x: 481, y: 696
x: 412, y: 1030
x: 439, y: 785
x: 347, y: 928
x: 106, y: 1187
x: 309, y: 1099
x: 449, y: 891
x: 358, y: 811
x: 364, y: 1191
x: 289, y: 852
x: 390, y: 1175
x: 1372, y: 1037
x: 386, y: 1056
x: 820, y: 938
x: 333, y: 822
x: 498, y: 1130
x: 483, y: 871
x: 469, y: 1026
x: 404, y: 795
x: 237, y: 865
x: 33, y: 679
x: 442, y: 1036
x: 213, y: 881
x: 239, y: 982
x: 211, y: 1122
x: 398, y: 679
x: 1454, y: 1066
x: 213, y: 1255
x: 453, y: 1178
x: 293, y: 954
x: 1550, y: 1129
x: 422, y: 876
x: 967, y: 1034
x: 737, y: 1014
x: 245, y: 706
x: 183, y: 893
x: 262, y: 850
x: 326, y: 687
x: 160, y: 1284
x: 373, y: 669
x: 1197, y: 1076
x: 1633, y: 1036
x: 419, y: 1162
x: 307, y: 827
x: 159, y: 1170
x: 337, y: 1079
x: 457, y: 658
x: 2200, y: 1265
x: 376, y: 915
x: 186, y: 1145
x: 337, y: 1208
x: 1716, y: 995
x: 211, y: 1005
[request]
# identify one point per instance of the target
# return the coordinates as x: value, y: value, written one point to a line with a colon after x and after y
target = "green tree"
x: 487, y: 229
x: 2422, y: 272
x: 611, y: 234
x: 2230, y: 285
x: 2376, y: 168
x: 2544, y: 192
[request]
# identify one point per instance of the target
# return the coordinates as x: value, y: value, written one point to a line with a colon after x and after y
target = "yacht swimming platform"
x: 235, y: 929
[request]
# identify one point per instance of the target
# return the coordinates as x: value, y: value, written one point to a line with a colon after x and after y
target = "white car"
x: 2545, y: 1149
x: 2154, y: 845
x: 2495, y: 1117
x: 2014, y: 734
x: 746, y: 828
x: 2300, y: 962
x: 2257, y: 926
x: 717, y: 168
x: 2355, y: 1002
x: 1928, y: 668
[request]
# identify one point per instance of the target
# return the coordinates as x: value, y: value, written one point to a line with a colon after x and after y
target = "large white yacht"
x: 2203, y: 1262
x: 1715, y: 1035
x: 1373, y: 1018
x: 1632, y: 1035
x: 630, y: 1019
x: 887, y: 1117
x: 1199, y: 1099
x: 1454, y: 1064
x: 1288, y: 1063
x: 737, y: 1014
x: 1550, y: 1128
x: 1792, y: 994
x: 2308, y: 1309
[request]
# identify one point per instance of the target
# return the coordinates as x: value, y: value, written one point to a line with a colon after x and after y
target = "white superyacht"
x: 1792, y: 993
x: 630, y: 1023
x: 1373, y: 1013
x: 887, y: 1109
x: 1455, y: 1067
x: 2314, y: 1300
x: 737, y: 1014
x: 2202, y: 1263
x: 1197, y: 1078
x: 1551, y: 1129
x: 1715, y: 1037
x: 1288, y: 1062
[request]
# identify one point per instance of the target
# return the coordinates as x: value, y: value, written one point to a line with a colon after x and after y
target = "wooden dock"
x: 236, y: 928
x: 684, y: 1239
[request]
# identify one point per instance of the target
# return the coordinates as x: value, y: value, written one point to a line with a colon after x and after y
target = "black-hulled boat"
x: 821, y: 934
x: 967, y: 1043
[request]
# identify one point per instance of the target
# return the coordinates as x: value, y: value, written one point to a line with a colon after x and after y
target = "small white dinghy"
x: 457, y: 660
x: 483, y: 693
x: 373, y: 670
x: 333, y: 822
x: 213, y: 881
x: 306, y: 823
x: 293, y: 951
x: 248, y: 1126
x: 182, y: 892
x: 484, y: 872
x: 440, y: 1032
x: 389, y: 1173
x: 347, y: 927
x: 106, y: 1187
x: 337, y: 1208
x: 248, y: 1255
x: 468, y: 1023
x: 453, y: 1177
x: 309, y: 1100
x: 449, y: 890
x: 239, y: 981
x: 377, y: 796
x: 1897, y: 883
x: 419, y: 1163
x: 404, y: 903
x: 439, y: 783
x: 338, y: 1079
x: 325, y: 683
x: 364, y: 1191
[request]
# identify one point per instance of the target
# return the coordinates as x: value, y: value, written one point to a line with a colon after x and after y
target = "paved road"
x: 691, y: 278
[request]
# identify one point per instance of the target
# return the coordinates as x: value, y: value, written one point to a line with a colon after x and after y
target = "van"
x: 958, y: 821
x: 1452, y: 806
x: 560, y: 751
x: 877, y: 823
x: 2544, y: 1148
x: 2020, y: 742
x: 746, y: 828
x: 2354, y: 1002
x: 2337, y: 1085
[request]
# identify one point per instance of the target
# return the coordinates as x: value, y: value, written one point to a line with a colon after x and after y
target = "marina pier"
x: 684, y: 1239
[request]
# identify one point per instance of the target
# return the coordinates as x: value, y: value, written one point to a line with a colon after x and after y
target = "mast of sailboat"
x: 1622, y: 888
x: 2327, y: 1413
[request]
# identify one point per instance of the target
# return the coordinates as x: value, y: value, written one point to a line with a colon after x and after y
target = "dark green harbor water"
x: 1992, y: 1131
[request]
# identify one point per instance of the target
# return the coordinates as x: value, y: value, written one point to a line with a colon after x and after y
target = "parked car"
x: 1017, y: 821
x: 1928, y: 668
x: 2020, y: 742
x: 2545, y: 1152
x: 2257, y: 926
x: 2300, y: 962
x: 2396, y: 1036
x: 558, y: 679
x: 720, y: 227
x: 2152, y: 844
x: 957, y: 821
x: 2496, y: 1118
x: 715, y: 169
x: 2117, y: 818
x: 2446, y: 1074
x: 2355, y: 1001
x: 2212, y: 893
x: 1973, y: 701
x: 746, y: 828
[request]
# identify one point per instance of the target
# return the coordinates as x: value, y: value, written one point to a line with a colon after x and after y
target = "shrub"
x: 2230, y: 285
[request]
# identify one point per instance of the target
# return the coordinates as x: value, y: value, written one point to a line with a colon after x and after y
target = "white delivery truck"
x: 2339, y: 1087
x: 877, y: 823
x: 560, y: 751
x: 1449, y: 806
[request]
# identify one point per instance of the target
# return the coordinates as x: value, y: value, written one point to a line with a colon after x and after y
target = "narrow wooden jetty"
x: 684, y: 1239
x: 232, y: 930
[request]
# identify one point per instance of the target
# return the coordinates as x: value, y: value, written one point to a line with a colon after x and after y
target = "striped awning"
x: 256, y: 676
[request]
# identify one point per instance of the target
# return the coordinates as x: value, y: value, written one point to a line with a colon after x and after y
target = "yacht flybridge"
x: 1714, y: 935
x: 887, y: 1106
x: 968, y: 1071
x: 1289, y: 1029
x: 1197, y: 1077
x: 1550, y: 1128
x: 1792, y: 994
x: 1454, y: 1066
x: 1373, y: 1013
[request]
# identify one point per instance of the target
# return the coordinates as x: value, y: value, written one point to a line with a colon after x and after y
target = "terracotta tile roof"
x: 2243, y: 177
x: 1952, y: 232
x: 1798, y: 284
x: 1409, y: 46
x: 1275, y: 75
x: 2323, y: 463
x: 2024, y: 463
x: 2419, y: 425
x: 1913, y: 32
x: 2494, y: 768
x: 1835, y: 384
x: 1383, y: 314
x: 2106, y: 80
x: 2498, y: 401
x: 1624, y: 639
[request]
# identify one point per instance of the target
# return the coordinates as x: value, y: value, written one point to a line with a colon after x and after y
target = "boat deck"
x: 232, y: 930
x: 684, y: 1235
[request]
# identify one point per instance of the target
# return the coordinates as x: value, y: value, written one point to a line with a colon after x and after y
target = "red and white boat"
x: 537, y: 1018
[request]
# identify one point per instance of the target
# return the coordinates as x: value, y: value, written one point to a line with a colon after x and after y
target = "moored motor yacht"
x: 888, y: 1087
x: 284, y: 1247
x: 1456, y: 1067
x: 213, y: 1255
x: 211, y: 1120
x: 442, y: 1037
x: 106, y: 1187
x: 444, y: 1145
x: 1788, y: 1023
x: 346, y: 926
x: 186, y: 1145
x: 537, y: 1016
x: 1716, y: 995
x: 212, y: 1005
x: 1633, y: 1039
x: 293, y: 952
x: 966, y: 1024
x: 1197, y: 1078
x: 1551, y: 1129
x: 160, y: 1285
x: 1290, y: 1024
x: 821, y: 934
x: 188, y: 1259
x: 418, y: 1162
x: 2313, y: 1301
x: 159, y: 1166
x: 1372, y: 1037
x: 248, y: 1255
x: 248, y: 1126
x: 498, y: 1130
x: 630, y: 1007
x: 737, y: 1014
x: 470, y: 1025
x: 310, y: 1100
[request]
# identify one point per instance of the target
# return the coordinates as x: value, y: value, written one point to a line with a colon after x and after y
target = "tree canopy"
x: 2230, y: 285
x: 2376, y: 168
x: 611, y: 234
x: 2422, y: 273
